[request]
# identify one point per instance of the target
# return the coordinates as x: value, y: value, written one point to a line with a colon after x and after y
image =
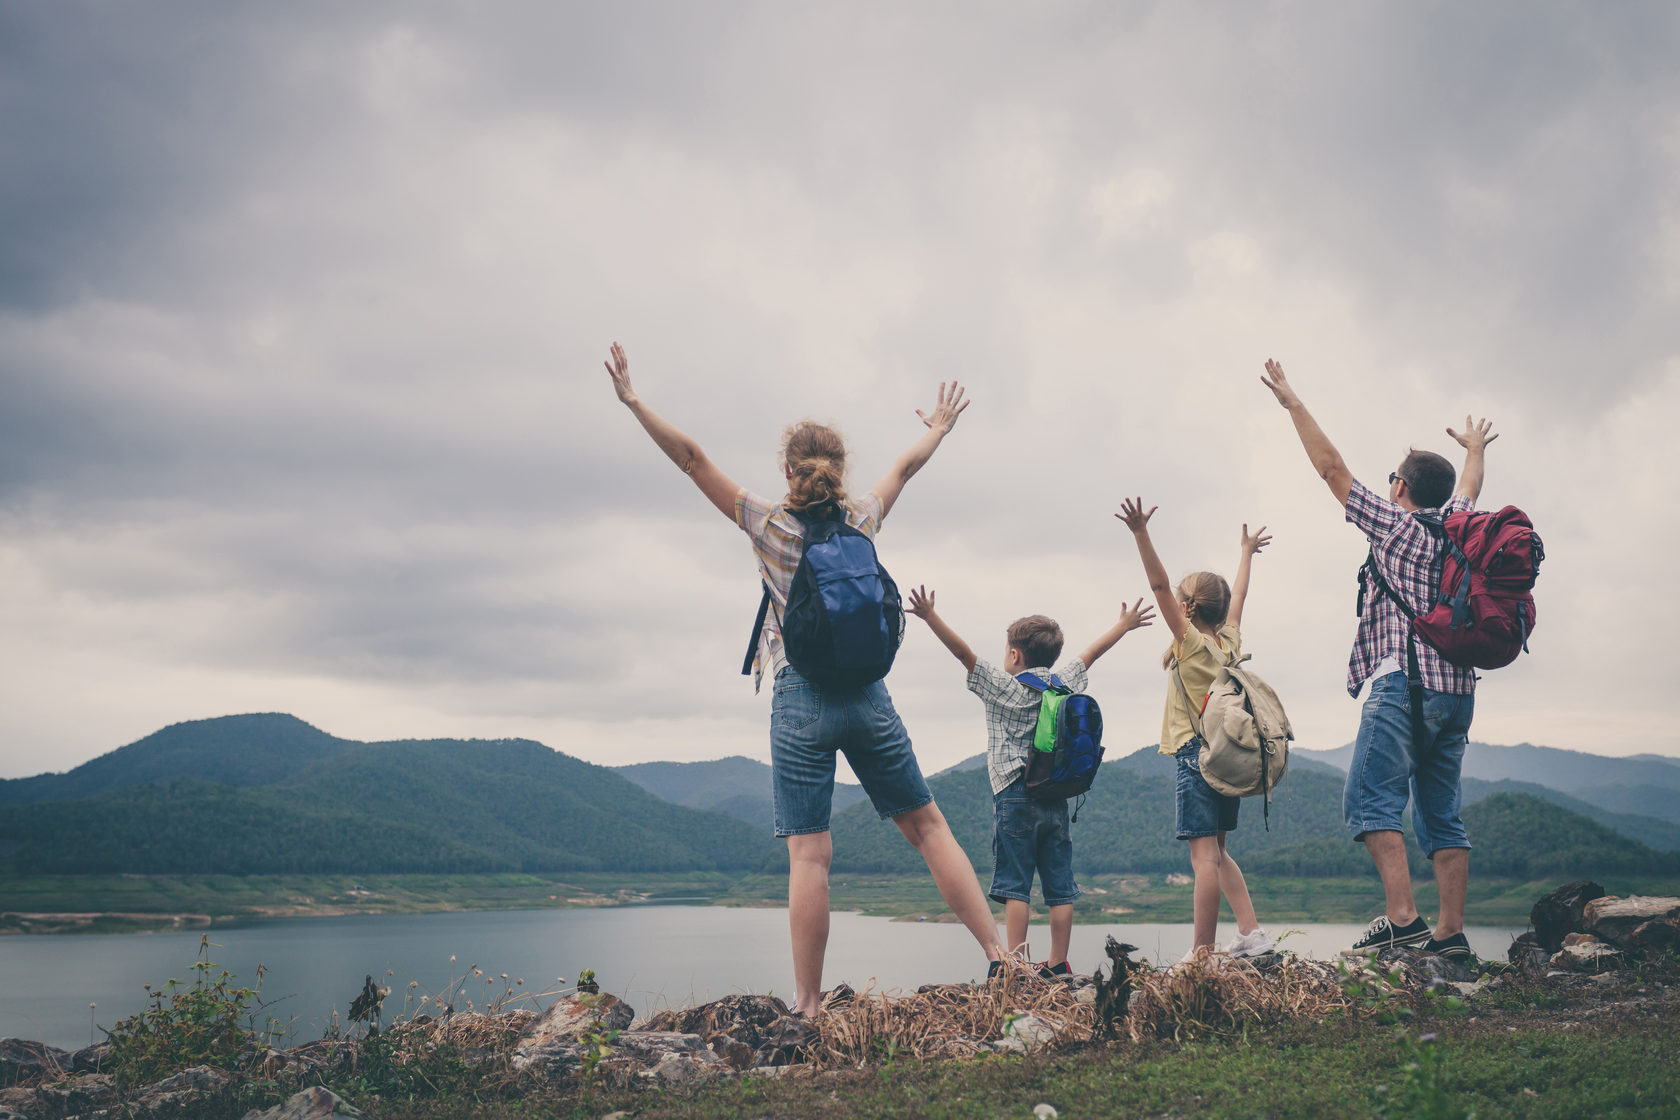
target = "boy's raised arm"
x: 1239, y: 589
x: 1132, y: 618
x: 921, y: 605
x: 1326, y: 460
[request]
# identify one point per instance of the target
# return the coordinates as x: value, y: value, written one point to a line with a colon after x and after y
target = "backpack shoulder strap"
x: 1034, y: 682
x: 758, y: 630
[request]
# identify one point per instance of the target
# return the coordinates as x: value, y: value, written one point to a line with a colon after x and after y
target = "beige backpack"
x: 1244, y: 732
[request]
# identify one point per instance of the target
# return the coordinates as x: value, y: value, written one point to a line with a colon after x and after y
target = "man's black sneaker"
x: 1384, y: 934
x: 1455, y: 948
x: 1055, y: 972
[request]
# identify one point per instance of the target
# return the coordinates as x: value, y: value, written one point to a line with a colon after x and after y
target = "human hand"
x: 619, y: 368
x: 1136, y: 616
x: 1274, y: 380
x: 921, y: 603
x: 1475, y: 436
x: 1253, y: 544
x: 1131, y: 512
x: 945, y: 413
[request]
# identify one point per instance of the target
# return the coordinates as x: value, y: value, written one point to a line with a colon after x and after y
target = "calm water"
x: 650, y: 956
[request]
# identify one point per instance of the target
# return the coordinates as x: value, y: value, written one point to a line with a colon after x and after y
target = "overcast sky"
x: 303, y: 309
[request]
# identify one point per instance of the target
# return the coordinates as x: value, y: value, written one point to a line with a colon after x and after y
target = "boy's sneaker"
x: 1256, y: 942
x: 993, y: 969
x: 1384, y: 934
x: 1055, y: 972
x: 1455, y: 948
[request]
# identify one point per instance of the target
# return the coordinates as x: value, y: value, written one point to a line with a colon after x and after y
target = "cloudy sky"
x: 303, y: 309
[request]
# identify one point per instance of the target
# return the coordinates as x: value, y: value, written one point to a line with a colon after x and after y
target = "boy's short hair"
x: 1429, y: 477
x: 1038, y: 638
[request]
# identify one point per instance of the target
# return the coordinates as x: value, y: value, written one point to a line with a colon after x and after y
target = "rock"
x: 1592, y: 957
x: 77, y: 1094
x: 738, y: 1054
x: 1004, y: 1046
x: 747, y: 1020
x: 651, y: 1047
x: 792, y: 1039
x: 551, y: 1045
x: 1563, y: 912
x: 317, y: 1103
x: 1420, y: 969
x: 1578, y: 939
x: 686, y: 1071
x: 1030, y: 1030
x: 18, y: 1101
x: 91, y: 1059
x: 1045, y: 1112
x: 22, y: 1060
x: 1526, y: 952
x: 1613, y: 919
x: 1658, y: 935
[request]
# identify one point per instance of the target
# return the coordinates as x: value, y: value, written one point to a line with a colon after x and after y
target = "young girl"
x: 1204, y: 614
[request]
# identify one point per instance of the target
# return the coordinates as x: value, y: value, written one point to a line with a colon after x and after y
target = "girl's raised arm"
x: 1239, y: 589
x: 1165, y: 597
x: 718, y: 487
x: 939, y: 423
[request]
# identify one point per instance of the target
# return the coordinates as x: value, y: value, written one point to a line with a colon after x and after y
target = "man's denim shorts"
x: 809, y: 723
x: 1199, y: 811
x: 1031, y: 835
x: 1387, y: 765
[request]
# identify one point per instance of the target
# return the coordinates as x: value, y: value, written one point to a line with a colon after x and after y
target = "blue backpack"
x: 844, y: 619
x: 1067, y: 744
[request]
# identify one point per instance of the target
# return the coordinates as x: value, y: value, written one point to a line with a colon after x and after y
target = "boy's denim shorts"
x: 1387, y: 765
x: 1031, y: 835
x: 809, y: 723
x: 1199, y: 810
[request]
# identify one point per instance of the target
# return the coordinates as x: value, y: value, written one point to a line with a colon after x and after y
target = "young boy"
x: 1028, y: 834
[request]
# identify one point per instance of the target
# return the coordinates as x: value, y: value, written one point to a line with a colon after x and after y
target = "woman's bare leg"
x: 1205, y: 858
x: 1235, y: 889
x: 809, y: 855
x: 930, y: 835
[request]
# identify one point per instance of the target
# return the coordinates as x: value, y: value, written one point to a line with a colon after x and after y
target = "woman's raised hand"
x: 945, y: 413
x: 619, y: 368
x: 921, y: 603
x: 1132, y: 513
x: 1253, y: 544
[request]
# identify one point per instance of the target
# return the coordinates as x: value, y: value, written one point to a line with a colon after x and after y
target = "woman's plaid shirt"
x: 1409, y: 556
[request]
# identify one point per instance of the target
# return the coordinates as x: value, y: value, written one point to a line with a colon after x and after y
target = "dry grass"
x: 1212, y: 995
x: 947, y: 1021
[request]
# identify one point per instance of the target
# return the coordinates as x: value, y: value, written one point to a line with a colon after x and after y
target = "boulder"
x: 1660, y: 935
x: 1420, y: 969
x: 551, y: 1045
x: 791, y: 1039
x: 23, y: 1060
x: 1031, y: 1031
x: 1526, y: 952
x: 18, y: 1101
x: 317, y: 1103
x: 77, y: 1094
x: 745, y: 1020
x: 91, y: 1059
x: 1614, y: 919
x: 1563, y: 912
x: 686, y: 1071
x: 1578, y: 939
x: 1594, y: 956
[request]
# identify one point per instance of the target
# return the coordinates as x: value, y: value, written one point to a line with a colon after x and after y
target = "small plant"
x: 595, y: 1042
x: 1419, y: 1092
x: 206, y: 1022
x: 1368, y: 989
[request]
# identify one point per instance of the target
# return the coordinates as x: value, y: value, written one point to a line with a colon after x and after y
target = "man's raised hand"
x: 619, y: 368
x: 921, y: 603
x: 1475, y: 435
x: 1135, y: 617
x: 1274, y: 380
x: 1132, y: 513
x: 1253, y: 544
x: 945, y: 413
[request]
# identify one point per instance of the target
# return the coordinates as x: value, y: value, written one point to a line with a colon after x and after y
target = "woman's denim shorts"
x: 1200, y: 811
x: 809, y: 723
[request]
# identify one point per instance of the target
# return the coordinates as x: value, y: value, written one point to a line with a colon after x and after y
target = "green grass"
x: 1109, y: 898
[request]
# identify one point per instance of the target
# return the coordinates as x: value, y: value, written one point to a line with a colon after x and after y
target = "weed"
x: 1420, y: 1091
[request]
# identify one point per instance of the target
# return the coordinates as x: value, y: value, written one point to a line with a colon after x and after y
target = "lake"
x: 652, y: 957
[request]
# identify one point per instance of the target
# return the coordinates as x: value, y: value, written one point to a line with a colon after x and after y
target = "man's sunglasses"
x: 1393, y: 478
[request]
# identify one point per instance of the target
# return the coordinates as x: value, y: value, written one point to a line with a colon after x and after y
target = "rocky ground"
x: 1589, y: 961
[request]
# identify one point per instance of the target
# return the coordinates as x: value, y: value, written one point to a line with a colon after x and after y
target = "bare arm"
x: 1132, y: 618
x: 921, y: 605
x: 718, y: 487
x: 1326, y: 460
x: 939, y: 424
x: 1239, y: 589
x: 1138, y: 522
x: 1474, y: 439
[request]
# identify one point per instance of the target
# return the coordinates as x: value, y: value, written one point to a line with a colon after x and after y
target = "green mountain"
x: 1126, y: 825
x: 735, y: 785
x: 1654, y: 832
x: 439, y: 805
x: 248, y: 750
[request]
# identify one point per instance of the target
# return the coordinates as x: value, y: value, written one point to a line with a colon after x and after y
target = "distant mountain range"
x: 269, y: 794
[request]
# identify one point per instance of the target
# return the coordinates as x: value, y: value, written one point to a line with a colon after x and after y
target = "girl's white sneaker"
x: 1251, y: 944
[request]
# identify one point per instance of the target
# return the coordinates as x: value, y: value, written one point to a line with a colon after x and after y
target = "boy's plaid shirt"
x: 1012, y: 714
x: 1409, y: 556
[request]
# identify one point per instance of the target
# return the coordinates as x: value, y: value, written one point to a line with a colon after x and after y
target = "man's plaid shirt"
x: 1409, y: 556
x: 1012, y: 715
